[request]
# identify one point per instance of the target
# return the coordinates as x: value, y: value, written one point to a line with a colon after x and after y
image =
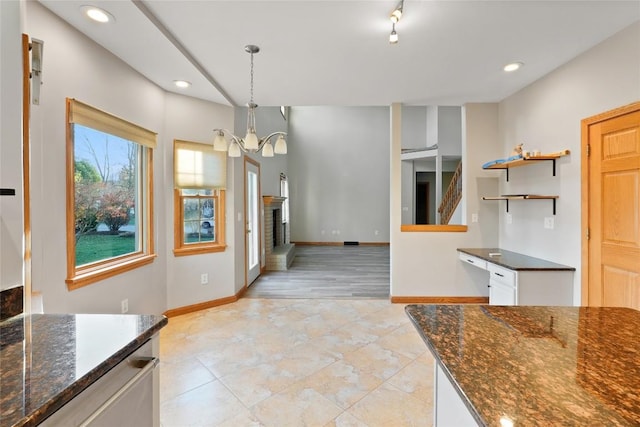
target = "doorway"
x: 253, y: 230
x: 611, y: 208
x: 422, y: 202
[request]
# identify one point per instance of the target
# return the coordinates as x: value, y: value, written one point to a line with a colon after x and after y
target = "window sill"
x: 199, y: 250
x: 93, y: 275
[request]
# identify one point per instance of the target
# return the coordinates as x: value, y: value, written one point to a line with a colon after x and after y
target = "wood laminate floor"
x: 360, y: 272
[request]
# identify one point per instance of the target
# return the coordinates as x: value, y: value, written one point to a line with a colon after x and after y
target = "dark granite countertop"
x: 47, y: 359
x: 538, y: 366
x: 514, y: 260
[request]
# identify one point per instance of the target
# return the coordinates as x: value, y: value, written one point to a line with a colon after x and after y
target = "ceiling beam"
x: 164, y: 30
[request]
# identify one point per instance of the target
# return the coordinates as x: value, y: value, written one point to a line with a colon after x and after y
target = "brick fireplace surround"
x: 280, y: 255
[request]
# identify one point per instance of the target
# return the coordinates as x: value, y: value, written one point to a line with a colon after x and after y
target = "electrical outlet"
x: 204, y: 278
x: 474, y: 217
x: 509, y: 218
x: 124, y: 306
x: 549, y: 222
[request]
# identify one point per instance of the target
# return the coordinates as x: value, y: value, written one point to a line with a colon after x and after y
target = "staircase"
x: 451, y: 197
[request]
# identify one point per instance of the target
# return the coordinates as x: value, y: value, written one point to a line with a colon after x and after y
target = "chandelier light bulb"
x: 219, y: 142
x: 267, y: 150
x: 234, y: 150
x: 251, y: 141
x: 281, y: 145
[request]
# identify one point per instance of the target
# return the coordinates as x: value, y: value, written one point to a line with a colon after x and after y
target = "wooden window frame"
x: 217, y: 245
x: 80, y: 276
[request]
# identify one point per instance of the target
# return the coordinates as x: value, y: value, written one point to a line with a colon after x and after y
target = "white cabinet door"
x: 501, y: 294
x: 449, y: 409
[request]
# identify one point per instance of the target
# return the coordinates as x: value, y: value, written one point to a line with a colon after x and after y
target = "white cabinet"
x: 501, y: 294
x: 475, y: 261
x: 126, y: 396
x: 525, y: 286
x: 449, y: 409
x: 503, y: 287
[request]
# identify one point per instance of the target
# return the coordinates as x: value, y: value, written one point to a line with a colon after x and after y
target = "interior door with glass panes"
x: 252, y: 219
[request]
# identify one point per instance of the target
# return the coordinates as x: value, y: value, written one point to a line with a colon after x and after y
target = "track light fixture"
x: 395, y: 17
x: 397, y: 12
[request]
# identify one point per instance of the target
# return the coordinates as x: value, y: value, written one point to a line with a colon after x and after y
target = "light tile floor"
x: 271, y: 362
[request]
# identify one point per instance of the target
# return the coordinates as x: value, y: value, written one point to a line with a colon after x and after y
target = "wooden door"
x: 611, y: 208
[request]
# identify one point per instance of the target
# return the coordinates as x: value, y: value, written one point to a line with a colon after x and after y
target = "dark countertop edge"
x: 496, y: 260
x: 467, y: 403
x: 81, y: 384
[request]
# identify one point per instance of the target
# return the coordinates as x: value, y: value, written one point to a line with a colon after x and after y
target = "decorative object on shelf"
x: 517, y: 150
x: 250, y: 143
x: 520, y: 160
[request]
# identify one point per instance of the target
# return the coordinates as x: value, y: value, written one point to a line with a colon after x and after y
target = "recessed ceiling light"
x: 181, y: 83
x: 97, y: 14
x: 513, y: 66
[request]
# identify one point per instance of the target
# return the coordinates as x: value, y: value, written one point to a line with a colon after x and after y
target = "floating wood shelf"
x: 524, y: 161
x: 523, y: 197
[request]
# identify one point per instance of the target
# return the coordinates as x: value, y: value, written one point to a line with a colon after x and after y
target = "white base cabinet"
x: 525, y: 287
x: 449, y: 409
x: 126, y: 396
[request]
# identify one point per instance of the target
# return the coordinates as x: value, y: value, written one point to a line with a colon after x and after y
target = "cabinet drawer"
x: 502, y: 275
x: 470, y: 259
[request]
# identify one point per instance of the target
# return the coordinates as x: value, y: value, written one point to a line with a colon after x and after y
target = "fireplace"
x: 279, y: 251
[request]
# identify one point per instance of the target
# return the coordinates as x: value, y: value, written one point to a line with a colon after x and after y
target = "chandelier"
x: 250, y: 143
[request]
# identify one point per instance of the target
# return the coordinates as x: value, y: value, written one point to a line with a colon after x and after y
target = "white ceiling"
x: 336, y: 52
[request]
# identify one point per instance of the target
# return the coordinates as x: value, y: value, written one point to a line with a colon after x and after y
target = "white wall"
x: 192, y: 119
x: 76, y: 67
x: 546, y: 116
x: 427, y: 263
x: 11, y: 225
x: 339, y: 174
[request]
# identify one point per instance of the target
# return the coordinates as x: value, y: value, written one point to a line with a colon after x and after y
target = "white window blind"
x: 197, y: 165
x: 86, y: 115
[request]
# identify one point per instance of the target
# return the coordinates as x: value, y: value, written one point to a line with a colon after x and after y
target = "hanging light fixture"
x: 250, y: 143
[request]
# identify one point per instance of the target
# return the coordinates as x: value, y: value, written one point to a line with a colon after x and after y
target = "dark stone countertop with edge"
x: 514, y: 260
x: 538, y: 366
x: 47, y: 359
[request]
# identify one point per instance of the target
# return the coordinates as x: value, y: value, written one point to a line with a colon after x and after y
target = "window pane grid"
x: 198, y: 213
